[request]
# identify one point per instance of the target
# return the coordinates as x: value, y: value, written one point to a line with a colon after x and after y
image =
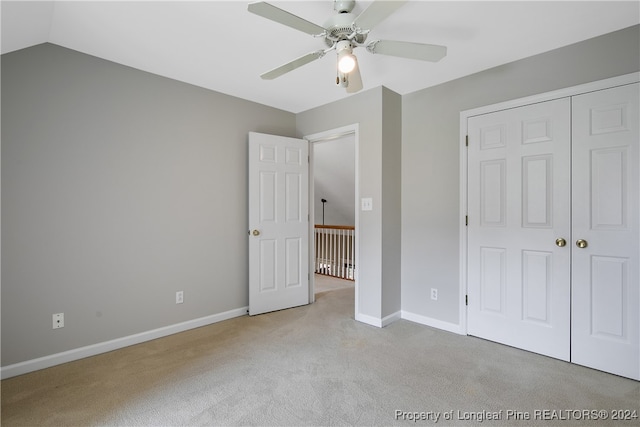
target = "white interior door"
x: 278, y: 223
x: 605, y: 299
x: 518, y: 281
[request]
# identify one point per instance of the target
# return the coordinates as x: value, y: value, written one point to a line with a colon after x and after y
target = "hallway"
x: 328, y: 283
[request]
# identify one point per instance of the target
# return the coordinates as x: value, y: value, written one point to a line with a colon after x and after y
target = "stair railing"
x: 335, y: 251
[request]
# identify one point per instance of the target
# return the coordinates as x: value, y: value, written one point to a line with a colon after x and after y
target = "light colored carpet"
x: 312, y: 365
x: 324, y: 283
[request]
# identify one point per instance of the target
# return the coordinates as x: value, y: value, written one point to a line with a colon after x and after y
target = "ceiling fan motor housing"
x: 340, y: 27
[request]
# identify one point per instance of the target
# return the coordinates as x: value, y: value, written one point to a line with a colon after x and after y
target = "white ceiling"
x: 219, y: 45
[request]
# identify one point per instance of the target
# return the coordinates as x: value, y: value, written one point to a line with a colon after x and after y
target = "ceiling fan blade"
x: 283, y: 17
x: 290, y: 66
x: 355, y: 79
x: 421, y: 51
x: 377, y: 12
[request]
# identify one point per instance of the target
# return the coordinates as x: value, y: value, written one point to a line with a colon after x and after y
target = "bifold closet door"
x: 519, y: 196
x: 606, y: 231
x: 554, y: 229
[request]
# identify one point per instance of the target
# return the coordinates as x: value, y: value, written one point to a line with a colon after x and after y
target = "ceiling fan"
x: 343, y: 32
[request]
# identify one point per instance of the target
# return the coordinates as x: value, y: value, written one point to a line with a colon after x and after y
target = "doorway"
x: 333, y: 221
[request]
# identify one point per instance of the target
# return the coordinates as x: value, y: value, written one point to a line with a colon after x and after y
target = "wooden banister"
x: 336, y: 227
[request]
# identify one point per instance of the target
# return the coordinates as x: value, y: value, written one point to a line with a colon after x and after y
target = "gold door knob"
x: 561, y: 243
x: 581, y: 243
x: 255, y: 232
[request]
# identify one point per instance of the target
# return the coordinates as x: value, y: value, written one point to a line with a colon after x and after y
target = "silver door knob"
x: 255, y: 232
x: 581, y: 243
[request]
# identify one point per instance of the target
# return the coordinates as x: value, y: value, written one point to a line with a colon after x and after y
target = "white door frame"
x: 464, y: 115
x: 321, y: 137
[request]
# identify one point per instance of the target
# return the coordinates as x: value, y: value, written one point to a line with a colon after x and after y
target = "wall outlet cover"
x: 58, y: 321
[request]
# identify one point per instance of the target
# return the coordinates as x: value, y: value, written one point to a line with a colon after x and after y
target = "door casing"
x: 325, y: 136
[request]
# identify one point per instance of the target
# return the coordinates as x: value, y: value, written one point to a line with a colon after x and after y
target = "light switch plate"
x: 367, y: 204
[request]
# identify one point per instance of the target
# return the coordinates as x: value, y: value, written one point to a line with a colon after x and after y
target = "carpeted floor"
x: 327, y: 283
x: 315, y: 365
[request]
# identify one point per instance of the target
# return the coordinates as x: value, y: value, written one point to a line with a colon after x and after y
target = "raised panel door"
x: 278, y: 223
x: 605, y: 215
x: 518, y: 205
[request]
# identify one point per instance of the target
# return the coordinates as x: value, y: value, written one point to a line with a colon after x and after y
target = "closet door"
x: 606, y: 231
x: 518, y: 208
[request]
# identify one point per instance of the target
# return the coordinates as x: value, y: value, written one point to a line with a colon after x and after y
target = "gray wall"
x: 334, y: 180
x: 431, y: 156
x: 119, y: 188
x: 391, y: 201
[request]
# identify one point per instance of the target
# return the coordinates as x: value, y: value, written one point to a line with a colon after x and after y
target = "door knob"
x: 255, y: 232
x: 581, y: 243
x: 561, y: 243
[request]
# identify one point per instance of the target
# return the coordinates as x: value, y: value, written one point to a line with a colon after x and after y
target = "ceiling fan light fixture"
x: 346, y: 60
x: 346, y: 63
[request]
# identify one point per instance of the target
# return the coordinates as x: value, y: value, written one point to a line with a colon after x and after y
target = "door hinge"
x: 466, y: 141
x: 466, y: 300
x: 466, y: 220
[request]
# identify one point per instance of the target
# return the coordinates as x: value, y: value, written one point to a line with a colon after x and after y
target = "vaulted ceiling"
x: 219, y: 45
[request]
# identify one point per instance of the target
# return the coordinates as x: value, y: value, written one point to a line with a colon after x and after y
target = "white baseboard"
x: 434, y: 323
x: 103, y: 347
x: 380, y: 323
x: 391, y: 318
x: 369, y: 320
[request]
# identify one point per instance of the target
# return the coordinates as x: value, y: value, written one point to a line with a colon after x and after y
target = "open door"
x: 278, y: 222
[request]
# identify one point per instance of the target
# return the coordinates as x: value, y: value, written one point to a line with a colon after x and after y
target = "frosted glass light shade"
x: 346, y: 62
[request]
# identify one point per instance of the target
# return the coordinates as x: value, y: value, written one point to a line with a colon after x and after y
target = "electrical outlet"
x: 434, y: 294
x: 179, y: 297
x: 58, y: 320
